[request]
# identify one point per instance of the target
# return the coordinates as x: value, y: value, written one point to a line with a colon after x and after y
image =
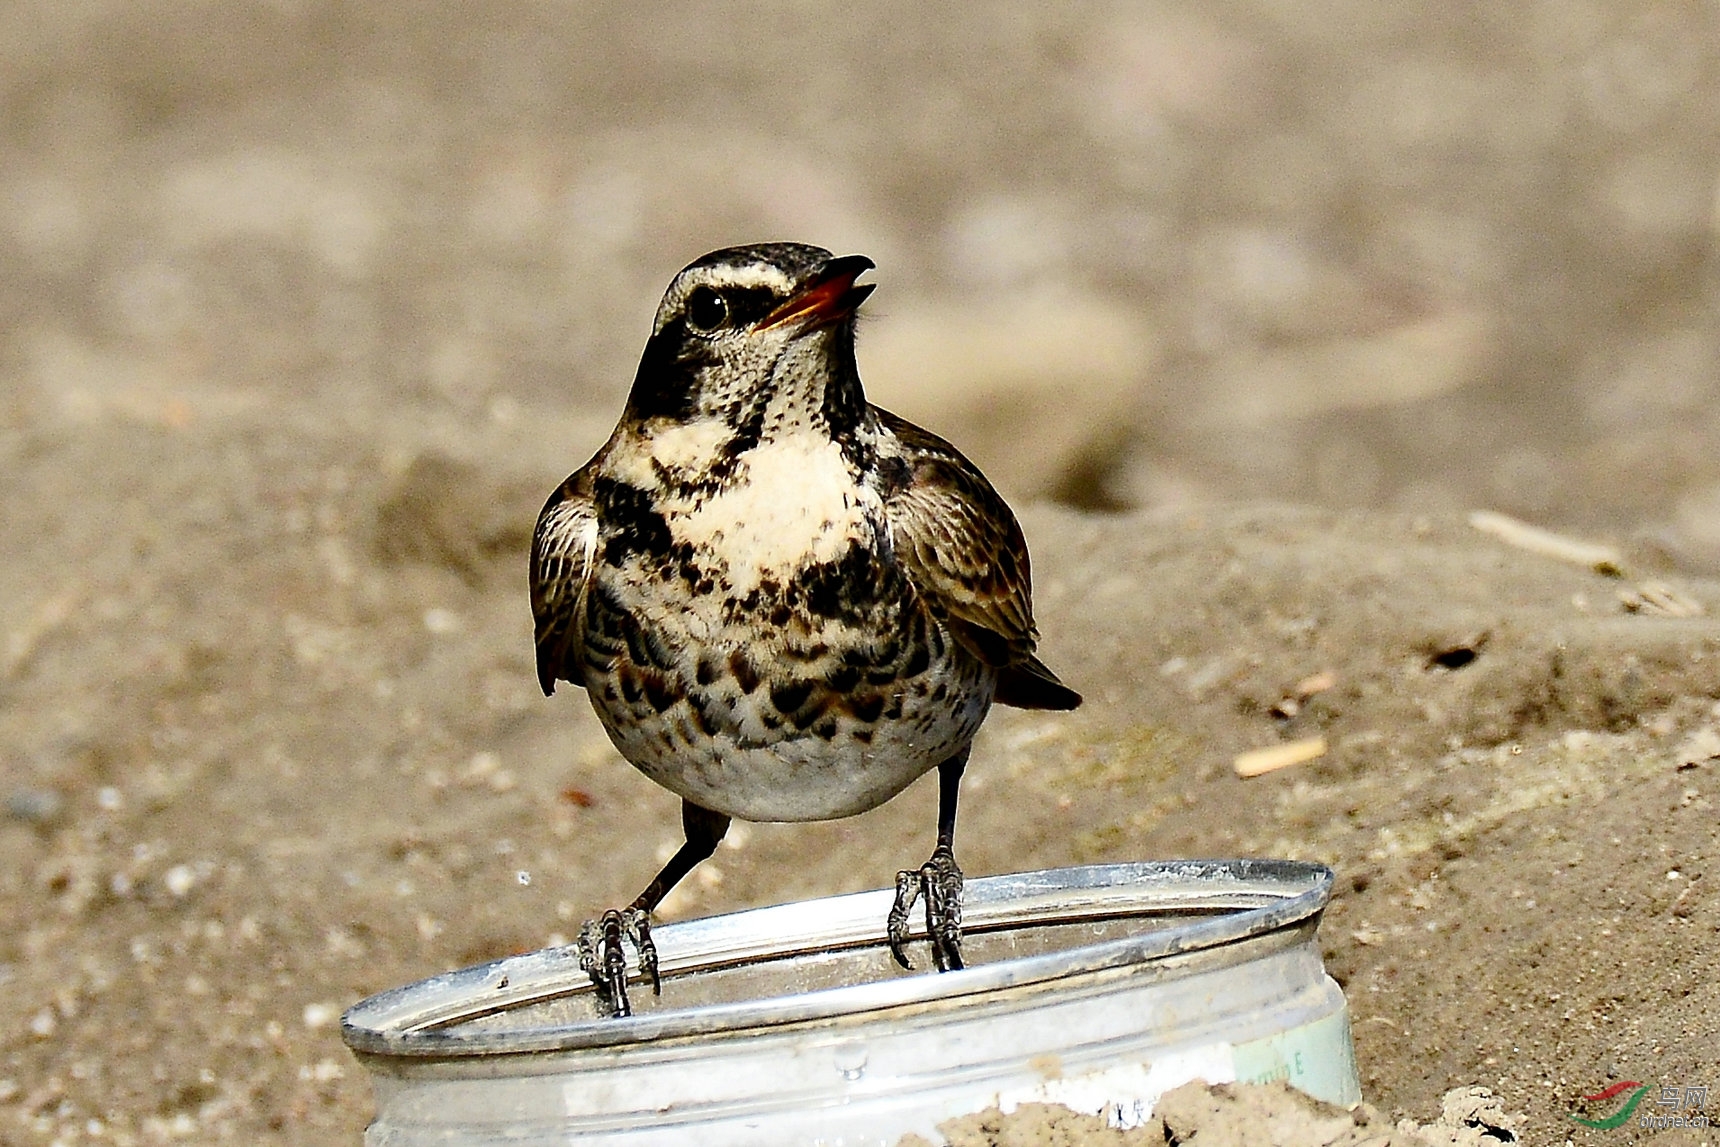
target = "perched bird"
x: 785, y: 603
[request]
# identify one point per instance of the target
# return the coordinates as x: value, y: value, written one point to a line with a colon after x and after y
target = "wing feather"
x: 564, y: 547
x: 965, y: 554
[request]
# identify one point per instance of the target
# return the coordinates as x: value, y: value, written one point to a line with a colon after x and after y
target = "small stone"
x: 35, y: 806
x: 320, y: 1015
x: 1702, y: 746
x: 441, y: 621
x: 180, y: 879
x: 1478, y: 1108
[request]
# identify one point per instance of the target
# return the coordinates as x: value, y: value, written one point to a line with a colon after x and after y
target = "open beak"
x: 830, y: 297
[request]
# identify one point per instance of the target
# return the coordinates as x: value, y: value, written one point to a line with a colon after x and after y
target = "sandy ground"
x: 1241, y: 1115
x: 291, y: 772
x: 304, y: 307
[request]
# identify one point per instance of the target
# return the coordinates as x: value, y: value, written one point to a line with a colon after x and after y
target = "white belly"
x: 803, y: 779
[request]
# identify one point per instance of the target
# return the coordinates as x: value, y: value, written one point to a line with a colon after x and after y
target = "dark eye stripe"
x: 747, y: 305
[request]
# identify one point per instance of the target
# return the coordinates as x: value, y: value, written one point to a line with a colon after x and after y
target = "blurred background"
x: 1414, y: 257
x: 305, y: 305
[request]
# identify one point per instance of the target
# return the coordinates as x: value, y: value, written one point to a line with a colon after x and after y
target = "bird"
x: 783, y: 602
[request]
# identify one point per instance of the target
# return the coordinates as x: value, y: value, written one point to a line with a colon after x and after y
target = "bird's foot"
x: 939, y: 881
x: 604, y: 959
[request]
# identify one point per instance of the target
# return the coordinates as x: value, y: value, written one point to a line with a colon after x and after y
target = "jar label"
x: 1317, y: 1058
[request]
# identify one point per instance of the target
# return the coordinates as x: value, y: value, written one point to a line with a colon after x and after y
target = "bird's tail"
x: 1030, y: 685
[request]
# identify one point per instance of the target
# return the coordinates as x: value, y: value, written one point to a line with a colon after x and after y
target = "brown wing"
x: 564, y: 546
x: 966, y: 556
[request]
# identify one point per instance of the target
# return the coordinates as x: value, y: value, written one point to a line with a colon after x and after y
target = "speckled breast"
x: 812, y: 695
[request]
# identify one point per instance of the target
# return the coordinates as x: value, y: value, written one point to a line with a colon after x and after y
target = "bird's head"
x: 756, y: 333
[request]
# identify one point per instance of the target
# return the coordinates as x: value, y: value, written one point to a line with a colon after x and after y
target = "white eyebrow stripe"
x: 739, y: 275
x: 743, y: 275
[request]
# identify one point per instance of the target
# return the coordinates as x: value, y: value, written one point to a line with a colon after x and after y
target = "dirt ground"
x: 305, y: 306
x: 1241, y: 1115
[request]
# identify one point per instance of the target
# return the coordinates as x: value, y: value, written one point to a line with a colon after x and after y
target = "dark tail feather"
x: 1030, y: 685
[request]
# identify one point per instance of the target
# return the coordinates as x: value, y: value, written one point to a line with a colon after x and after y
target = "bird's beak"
x: 829, y: 297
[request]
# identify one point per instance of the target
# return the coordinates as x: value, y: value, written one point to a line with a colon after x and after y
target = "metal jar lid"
x: 824, y: 961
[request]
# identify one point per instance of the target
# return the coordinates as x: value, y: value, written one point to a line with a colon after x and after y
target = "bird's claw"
x: 907, y: 890
x: 603, y: 957
x: 939, y: 881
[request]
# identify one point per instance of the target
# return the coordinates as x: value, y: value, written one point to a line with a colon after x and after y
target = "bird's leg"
x: 600, y: 941
x: 939, y: 880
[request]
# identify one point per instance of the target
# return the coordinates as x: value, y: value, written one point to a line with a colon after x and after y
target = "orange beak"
x: 830, y: 297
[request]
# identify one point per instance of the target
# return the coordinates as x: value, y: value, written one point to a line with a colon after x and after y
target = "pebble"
x: 320, y: 1015
x: 441, y: 621
x: 35, y: 806
x: 180, y: 879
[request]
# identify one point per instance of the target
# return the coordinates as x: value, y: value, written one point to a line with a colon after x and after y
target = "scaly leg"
x: 600, y: 941
x: 939, y: 880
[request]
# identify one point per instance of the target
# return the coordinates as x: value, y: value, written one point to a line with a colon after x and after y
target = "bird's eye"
x: 706, y: 310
